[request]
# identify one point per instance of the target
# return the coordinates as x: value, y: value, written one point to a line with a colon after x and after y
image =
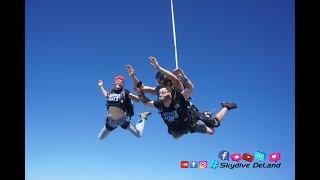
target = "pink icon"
x: 274, y: 157
x: 236, y: 157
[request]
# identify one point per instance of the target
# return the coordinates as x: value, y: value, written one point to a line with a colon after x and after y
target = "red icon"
x: 247, y: 157
x: 184, y: 164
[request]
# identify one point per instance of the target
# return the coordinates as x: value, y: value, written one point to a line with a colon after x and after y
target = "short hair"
x: 119, y: 77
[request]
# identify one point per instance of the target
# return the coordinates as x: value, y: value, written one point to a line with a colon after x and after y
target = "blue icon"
x: 260, y: 156
x: 214, y: 164
x: 193, y: 164
x: 224, y: 155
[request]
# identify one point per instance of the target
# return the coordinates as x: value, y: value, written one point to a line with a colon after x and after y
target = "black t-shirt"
x: 117, y: 98
x: 175, y: 116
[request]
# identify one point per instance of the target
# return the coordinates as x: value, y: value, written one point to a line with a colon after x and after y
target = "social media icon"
x: 247, y: 157
x: 260, y: 156
x: 274, y: 157
x: 224, y: 155
x: 193, y: 164
x: 184, y: 164
x: 203, y: 164
x: 235, y: 157
x: 214, y: 164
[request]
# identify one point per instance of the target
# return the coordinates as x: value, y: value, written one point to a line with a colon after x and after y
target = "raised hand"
x: 154, y: 62
x: 100, y: 83
x: 130, y: 70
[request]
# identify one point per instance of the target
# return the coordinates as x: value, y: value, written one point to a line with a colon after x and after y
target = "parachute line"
x: 174, y: 35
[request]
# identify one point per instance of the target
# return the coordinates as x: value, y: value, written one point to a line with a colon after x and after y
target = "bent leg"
x: 220, y: 115
x: 201, y: 127
x: 226, y: 106
x: 210, y: 131
x: 134, y: 131
x: 206, y: 118
x: 105, y: 131
x: 125, y: 123
x: 140, y: 124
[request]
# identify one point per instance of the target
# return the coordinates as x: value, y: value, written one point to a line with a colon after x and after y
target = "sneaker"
x: 229, y: 105
x: 145, y: 114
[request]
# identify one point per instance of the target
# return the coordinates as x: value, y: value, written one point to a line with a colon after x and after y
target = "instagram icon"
x: 203, y: 164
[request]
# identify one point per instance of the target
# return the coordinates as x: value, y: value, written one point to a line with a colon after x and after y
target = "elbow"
x: 192, y: 86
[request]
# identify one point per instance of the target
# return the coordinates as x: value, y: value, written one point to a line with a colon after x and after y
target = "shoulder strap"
x: 123, y: 93
x: 123, y: 96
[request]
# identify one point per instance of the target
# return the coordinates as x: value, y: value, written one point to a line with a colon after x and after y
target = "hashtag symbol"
x: 214, y: 164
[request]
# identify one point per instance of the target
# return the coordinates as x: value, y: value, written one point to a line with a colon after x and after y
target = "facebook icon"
x: 193, y: 164
x: 224, y: 155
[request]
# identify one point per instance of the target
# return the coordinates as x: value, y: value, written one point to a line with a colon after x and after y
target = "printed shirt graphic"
x: 115, y: 98
x: 170, y: 116
x: 175, y: 116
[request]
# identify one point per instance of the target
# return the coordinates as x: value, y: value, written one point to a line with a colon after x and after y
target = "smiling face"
x: 165, y: 93
x: 118, y: 84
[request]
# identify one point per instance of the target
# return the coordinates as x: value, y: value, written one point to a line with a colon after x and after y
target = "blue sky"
x: 240, y: 51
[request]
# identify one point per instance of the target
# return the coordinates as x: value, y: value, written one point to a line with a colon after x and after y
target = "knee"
x: 212, y: 123
x: 175, y: 138
x: 139, y: 135
x: 125, y: 125
x: 210, y: 131
x: 100, y: 137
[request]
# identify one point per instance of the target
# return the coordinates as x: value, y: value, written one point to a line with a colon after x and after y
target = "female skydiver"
x: 120, y: 109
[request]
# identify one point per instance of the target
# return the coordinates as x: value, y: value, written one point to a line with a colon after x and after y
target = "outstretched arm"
x: 149, y: 89
x: 132, y: 74
x: 104, y: 92
x: 186, y: 93
x: 137, y: 83
x: 188, y: 85
x: 134, y: 97
x: 175, y: 81
x: 146, y: 101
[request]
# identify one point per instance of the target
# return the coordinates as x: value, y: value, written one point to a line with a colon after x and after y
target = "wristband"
x: 139, y: 84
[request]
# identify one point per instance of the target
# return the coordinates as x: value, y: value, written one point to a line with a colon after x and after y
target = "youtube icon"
x: 184, y: 164
x: 247, y: 157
